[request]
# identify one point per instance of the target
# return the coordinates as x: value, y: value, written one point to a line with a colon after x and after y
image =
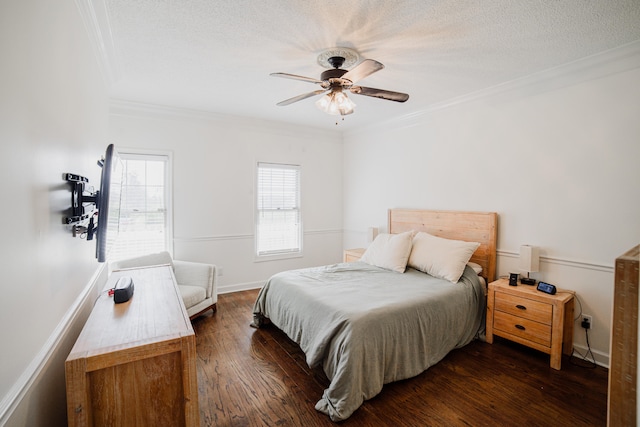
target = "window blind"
x: 143, y: 212
x: 278, y: 218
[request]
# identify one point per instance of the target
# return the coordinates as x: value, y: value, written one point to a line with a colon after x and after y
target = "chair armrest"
x: 196, y: 274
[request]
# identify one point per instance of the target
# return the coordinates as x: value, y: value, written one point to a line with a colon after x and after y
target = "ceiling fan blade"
x: 300, y: 97
x: 362, y: 70
x: 296, y: 77
x: 379, y: 93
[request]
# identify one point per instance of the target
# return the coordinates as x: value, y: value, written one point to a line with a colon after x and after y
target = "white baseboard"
x: 20, y: 388
x: 240, y: 287
x: 601, y: 359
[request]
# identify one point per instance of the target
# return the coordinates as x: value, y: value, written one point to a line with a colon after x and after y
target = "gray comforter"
x: 367, y: 326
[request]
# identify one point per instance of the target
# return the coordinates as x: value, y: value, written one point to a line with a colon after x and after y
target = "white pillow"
x: 440, y: 257
x: 390, y: 251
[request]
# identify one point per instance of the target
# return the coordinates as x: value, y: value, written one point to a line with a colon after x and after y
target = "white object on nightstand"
x: 529, y: 259
x: 372, y: 233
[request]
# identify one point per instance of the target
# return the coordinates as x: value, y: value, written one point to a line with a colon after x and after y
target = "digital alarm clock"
x: 547, y: 288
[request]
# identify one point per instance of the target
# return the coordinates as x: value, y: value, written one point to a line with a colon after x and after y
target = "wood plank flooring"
x: 258, y: 377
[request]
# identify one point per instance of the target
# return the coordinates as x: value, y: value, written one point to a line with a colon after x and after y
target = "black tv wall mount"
x: 83, y: 206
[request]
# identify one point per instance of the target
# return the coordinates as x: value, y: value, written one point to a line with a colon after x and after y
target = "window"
x: 278, y: 218
x: 144, y: 211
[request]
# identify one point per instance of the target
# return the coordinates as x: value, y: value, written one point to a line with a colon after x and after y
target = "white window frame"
x: 167, y: 157
x: 284, y: 254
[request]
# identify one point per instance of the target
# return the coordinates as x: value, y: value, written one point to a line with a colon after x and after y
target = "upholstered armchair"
x: 196, y: 281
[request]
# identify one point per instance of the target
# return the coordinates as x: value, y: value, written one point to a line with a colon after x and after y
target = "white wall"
x: 53, y: 119
x: 214, y: 161
x: 556, y: 155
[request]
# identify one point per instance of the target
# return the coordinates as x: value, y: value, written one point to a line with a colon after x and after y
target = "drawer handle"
x: 521, y: 307
x: 522, y: 328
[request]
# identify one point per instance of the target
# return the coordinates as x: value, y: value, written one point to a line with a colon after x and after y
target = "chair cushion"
x: 192, y: 295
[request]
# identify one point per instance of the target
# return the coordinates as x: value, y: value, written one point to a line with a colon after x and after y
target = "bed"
x: 368, y: 325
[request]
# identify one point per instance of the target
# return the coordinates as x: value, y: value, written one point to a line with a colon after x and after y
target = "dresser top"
x: 154, y: 313
x: 526, y: 291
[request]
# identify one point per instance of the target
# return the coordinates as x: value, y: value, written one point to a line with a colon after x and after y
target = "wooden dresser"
x: 623, y: 368
x: 532, y: 318
x: 134, y: 363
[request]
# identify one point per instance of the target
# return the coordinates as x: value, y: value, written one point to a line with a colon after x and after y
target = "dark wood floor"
x: 250, y: 377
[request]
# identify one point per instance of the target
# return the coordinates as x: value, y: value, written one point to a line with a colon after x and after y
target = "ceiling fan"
x: 336, y: 81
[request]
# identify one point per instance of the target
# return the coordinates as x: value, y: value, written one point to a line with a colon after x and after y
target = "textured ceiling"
x: 216, y: 55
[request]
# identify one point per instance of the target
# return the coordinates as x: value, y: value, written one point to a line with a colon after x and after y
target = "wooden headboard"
x: 481, y: 227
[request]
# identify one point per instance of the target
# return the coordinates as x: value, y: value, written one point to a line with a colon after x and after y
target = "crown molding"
x: 126, y: 108
x: 96, y: 21
x: 613, y: 61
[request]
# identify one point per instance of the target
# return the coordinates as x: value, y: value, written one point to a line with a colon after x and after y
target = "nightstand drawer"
x: 525, y: 308
x: 523, y: 328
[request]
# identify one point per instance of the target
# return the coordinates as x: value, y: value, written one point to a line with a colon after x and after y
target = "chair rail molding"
x: 11, y: 400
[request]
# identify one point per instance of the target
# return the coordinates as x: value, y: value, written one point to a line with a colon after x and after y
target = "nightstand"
x: 351, y: 255
x: 532, y: 318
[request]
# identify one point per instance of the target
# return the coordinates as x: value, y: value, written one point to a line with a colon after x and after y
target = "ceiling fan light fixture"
x: 336, y: 103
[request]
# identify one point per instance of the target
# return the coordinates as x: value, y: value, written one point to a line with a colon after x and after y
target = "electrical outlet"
x: 220, y: 271
x: 587, y: 322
